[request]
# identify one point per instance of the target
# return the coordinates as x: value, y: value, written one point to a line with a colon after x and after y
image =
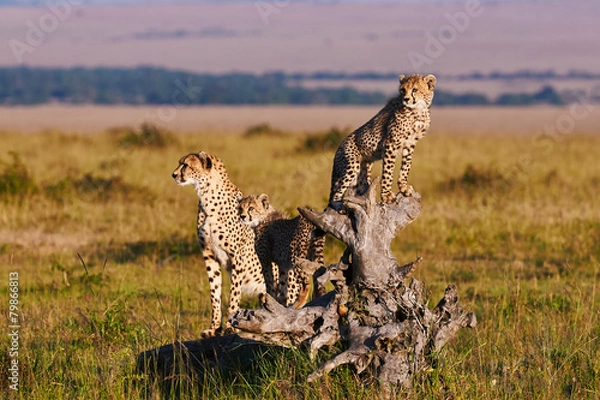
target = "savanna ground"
x: 104, y: 244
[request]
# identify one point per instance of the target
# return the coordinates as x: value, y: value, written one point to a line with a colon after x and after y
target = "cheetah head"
x: 254, y: 209
x: 417, y: 90
x: 195, y: 169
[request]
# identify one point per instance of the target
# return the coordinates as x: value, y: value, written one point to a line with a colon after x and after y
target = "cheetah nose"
x: 174, y: 175
x: 406, y: 99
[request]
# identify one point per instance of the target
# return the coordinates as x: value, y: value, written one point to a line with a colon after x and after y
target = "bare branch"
x: 406, y: 270
x: 330, y: 222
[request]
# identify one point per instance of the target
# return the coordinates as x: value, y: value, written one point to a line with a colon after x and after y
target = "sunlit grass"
x: 111, y: 269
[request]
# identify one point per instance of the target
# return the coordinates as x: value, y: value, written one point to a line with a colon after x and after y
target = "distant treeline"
x: 494, y: 75
x: 149, y: 85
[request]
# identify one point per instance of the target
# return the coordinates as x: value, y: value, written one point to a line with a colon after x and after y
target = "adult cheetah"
x: 398, y: 126
x: 225, y: 241
x: 283, y: 242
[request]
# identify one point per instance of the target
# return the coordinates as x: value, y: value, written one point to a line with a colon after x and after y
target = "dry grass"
x: 103, y: 277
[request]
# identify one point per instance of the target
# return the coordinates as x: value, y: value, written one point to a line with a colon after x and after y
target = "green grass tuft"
x: 263, y: 130
x: 15, y: 179
x: 477, y: 179
x: 147, y: 136
x: 324, y: 141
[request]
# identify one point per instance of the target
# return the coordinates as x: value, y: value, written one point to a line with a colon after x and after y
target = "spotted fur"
x: 396, y: 128
x: 225, y: 241
x: 283, y: 242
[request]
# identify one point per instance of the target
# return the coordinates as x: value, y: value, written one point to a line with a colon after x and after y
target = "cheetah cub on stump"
x: 225, y: 241
x: 283, y: 242
x: 397, y: 127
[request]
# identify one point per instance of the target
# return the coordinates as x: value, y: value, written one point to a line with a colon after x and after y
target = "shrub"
x: 324, y: 141
x: 15, y: 179
x: 262, y: 130
x: 475, y: 179
x: 97, y: 189
x: 148, y: 135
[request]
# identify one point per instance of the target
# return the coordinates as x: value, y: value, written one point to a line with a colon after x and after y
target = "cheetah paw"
x: 208, y: 333
x: 388, y: 197
x: 406, y: 190
x: 228, y: 330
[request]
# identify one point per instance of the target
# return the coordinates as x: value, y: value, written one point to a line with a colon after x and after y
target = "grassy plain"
x: 104, y: 245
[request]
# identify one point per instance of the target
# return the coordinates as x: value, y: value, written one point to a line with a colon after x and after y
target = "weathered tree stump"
x: 387, y: 330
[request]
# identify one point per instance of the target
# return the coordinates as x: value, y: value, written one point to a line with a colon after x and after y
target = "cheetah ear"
x: 431, y: 81
x: 264, y: 199
x: 401, y: 77
x: 205, y: 159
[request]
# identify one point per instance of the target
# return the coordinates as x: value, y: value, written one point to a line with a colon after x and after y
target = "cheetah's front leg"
x: 270, y: 270
x: 288, y: 289
x: 408, y: 149
x: 214, y: 280
x: 387, y: 173
x: 235, y: 292
x: 302, y: 282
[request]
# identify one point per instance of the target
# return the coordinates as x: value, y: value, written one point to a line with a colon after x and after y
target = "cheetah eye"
x: 414, y: 90
x: 250, y: 209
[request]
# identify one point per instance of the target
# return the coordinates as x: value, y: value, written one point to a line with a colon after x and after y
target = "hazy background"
x: 556, y: 41
x: 312, y: 36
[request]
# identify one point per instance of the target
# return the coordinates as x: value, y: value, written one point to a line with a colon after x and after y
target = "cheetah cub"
x: 225, y: 241
x: 283, y: 242
x: 397, y: 127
